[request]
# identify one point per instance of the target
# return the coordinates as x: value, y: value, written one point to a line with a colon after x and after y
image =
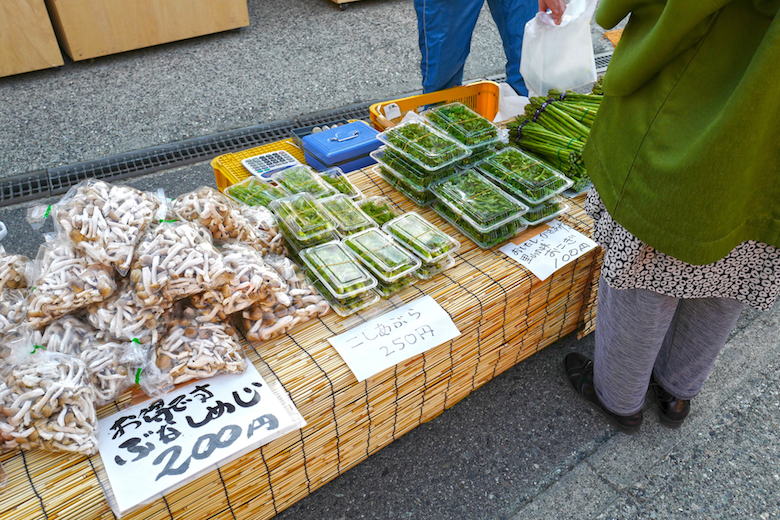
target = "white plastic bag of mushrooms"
x: 192, y: 350
x: 217, y: 213
x: 269, y: 239
x: 300, y: 303
x: 47, y: 402
x: 254, y: 281
x: 110, y: 363
x: 103, y: 220
x: 175, y: 260
x: 64, y: 282
x: 125, y: 317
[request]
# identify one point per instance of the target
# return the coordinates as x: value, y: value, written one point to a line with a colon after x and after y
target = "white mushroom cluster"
x: 300, y: 303
x: 65, y: 282
x: 125, y: 317
x: 175, y: 260
x: 216, y: 212
x: 192, y: 350
x: 12, y: 270
x: 254, y: 281
x: 269, y: 240
x: 105, y: 221
x: 108, y: 362
x: 48, y: 402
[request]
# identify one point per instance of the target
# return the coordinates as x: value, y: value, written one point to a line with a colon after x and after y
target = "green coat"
x: 685, y: 149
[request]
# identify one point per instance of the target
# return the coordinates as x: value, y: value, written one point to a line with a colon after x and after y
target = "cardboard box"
x: 91, y: 28
x: 27, y: 40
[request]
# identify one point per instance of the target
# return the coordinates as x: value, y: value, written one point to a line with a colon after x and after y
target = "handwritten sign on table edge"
x: 548, y: 249
x: 394, y: 337
x: 161, y: 444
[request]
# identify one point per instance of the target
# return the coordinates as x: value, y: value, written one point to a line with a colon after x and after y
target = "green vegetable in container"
x: 300, y: 179
x: 419, y: 141
x: 347, y: 216
x: 378, y: 209
x: 337, y: 269
x: 463, y: 124
x: 255, y: 193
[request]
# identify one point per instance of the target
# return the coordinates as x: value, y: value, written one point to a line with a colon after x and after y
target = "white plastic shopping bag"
x: 510, y: 103
x: 559, y: 56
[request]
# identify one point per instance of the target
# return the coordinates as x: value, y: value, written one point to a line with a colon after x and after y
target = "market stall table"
x: 504, y: 314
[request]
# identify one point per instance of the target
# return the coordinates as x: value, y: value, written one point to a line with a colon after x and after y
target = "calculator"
x: 265, y: 164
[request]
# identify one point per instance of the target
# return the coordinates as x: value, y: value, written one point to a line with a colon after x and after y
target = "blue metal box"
x: 346, y: 146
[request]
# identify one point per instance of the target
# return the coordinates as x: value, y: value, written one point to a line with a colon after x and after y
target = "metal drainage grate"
x: 56, y: 181
x: 602, y: 60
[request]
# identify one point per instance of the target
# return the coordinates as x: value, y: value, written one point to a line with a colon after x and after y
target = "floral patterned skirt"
x: 750, y: 273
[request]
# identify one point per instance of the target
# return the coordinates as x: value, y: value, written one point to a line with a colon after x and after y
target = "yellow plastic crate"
x: 228, y: 169
x: 481, y: 96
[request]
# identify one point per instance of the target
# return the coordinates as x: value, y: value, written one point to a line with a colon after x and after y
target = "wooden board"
x: 27, y: 40
x: 91, y: 28
x: 504, y: 314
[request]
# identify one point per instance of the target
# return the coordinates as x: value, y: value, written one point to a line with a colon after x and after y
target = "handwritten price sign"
x: 394, y: 337
x: 550, y: 250
x: 156, y: 446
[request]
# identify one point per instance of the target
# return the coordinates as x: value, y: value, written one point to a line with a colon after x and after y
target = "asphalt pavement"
x: 522, y: 446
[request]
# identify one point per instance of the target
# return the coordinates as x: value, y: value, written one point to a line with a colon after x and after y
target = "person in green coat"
x: 684, y: 155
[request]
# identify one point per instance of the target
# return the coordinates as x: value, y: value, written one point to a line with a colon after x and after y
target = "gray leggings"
x: 639, y: 332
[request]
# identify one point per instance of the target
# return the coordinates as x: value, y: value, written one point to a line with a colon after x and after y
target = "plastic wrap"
x: 124, y: 316
x: 269, y: 239
x: 13, y: 270
x: 264, y: 320
x: 13, y: 311
x: 104, y: 221
x: 64, y: 282
x: 254, y: 281
x: 175, y: 260
x: 216, y: 212
x: 109, y: 362
x: 192, y: 350
x: 48, y: 403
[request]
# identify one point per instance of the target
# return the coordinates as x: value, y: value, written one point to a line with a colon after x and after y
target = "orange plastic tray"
x: 481, y: 96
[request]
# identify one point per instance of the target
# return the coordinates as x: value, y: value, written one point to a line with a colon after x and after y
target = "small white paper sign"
x: 394, y: 337
x: 161, y: 444
x: 550, y: 250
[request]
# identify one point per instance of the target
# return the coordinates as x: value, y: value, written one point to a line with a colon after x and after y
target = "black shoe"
x: 579, y: 372
x: 672, y: 411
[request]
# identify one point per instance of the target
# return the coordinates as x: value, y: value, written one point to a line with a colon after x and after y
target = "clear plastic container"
x: 429, y: 270
x: 302, y: 179
x: 462, y: 123
x: 346, y: 306
x: 478, y: 156
x: 379, y: 208
x: 386, y: 260
x: 421, y: 237
x: 255, y: 192
x: 339, y: 181
x: 523, y: 176
x: 478, y: 208
x: 408, y: 171
x: 337, y: 269
x: 422, y: 144
x: 387, y: 289
x: 303, y: 221
x: 420, y: 197
x: 346, y: 215
x: 548, y: 210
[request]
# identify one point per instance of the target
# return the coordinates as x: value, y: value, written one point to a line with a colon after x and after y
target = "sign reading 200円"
x: 167, y: 442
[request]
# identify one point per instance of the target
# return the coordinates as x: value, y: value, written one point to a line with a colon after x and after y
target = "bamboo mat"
x: 503, y: 312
